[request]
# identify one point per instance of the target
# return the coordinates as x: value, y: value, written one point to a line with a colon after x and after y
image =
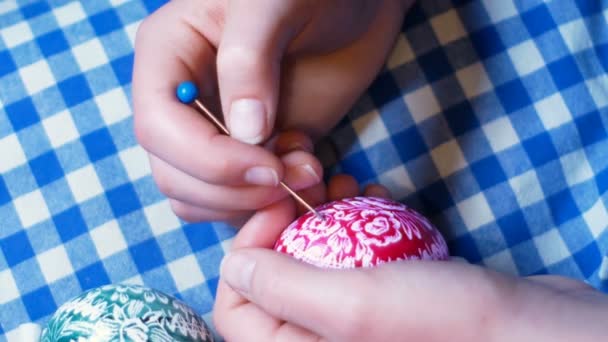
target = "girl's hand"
x: 267, y: 65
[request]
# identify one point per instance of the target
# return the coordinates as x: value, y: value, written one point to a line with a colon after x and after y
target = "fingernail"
x: 262, y: 175
x: 311, y: 172
x: 237, y: 271
x: 303, y: 176
x: 299, y: 146
x: 247, y: 120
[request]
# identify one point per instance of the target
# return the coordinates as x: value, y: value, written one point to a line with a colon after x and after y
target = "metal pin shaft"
x: 212, y: 117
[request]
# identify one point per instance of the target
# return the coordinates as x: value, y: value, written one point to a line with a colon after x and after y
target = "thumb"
x: 330, y: 303
x: 248, y: 63
x: 392, y: 301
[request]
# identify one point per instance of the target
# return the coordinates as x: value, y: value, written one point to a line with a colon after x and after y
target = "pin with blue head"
x: 187, y: 92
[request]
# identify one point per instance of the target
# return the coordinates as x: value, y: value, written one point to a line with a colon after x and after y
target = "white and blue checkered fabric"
x: 490, y: 117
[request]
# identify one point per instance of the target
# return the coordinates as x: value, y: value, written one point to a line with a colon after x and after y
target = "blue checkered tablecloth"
x: 490, y: 117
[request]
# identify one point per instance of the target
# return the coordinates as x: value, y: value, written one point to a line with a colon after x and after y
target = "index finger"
x: 170, y: 50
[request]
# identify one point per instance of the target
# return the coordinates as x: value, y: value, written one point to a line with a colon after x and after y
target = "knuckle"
x: 243, y: 57
x: 262, y: 197
x: 142, y: 130
x: 164, y: 183
x: 146, y: 128
x: 177, y: 207
x: 218, y: 171
x: 143, y: 30
x: 183, y: 212
x: 148, y: 30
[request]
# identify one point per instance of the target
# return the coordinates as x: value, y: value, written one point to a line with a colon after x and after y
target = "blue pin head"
x: 187, y: 92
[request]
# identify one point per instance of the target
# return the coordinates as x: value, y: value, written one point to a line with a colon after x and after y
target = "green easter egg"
x: 125, y: 313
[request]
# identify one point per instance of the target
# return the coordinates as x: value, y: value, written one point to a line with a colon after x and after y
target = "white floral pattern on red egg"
x: 362, y: 232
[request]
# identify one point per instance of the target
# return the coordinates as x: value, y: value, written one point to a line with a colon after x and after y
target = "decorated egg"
x: 125, y: 313
x: 362, y: 232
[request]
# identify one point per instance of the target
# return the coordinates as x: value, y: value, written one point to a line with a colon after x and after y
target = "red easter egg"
x: 362, y: 232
